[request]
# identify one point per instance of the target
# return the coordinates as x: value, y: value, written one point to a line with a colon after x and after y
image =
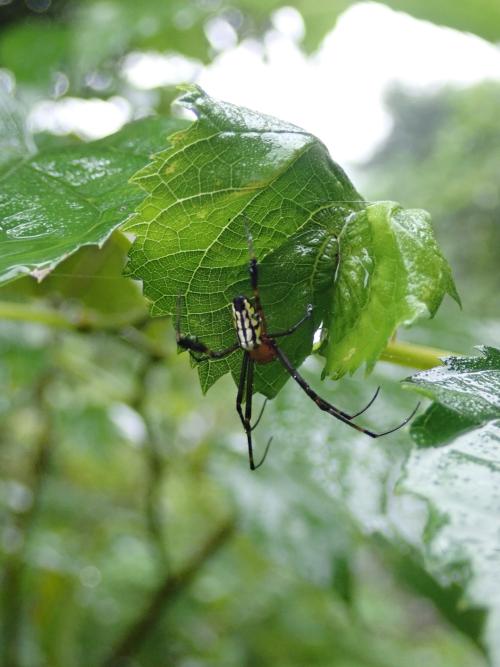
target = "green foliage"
x: 438, y: 424
x: 89, y: 288
x: 80, y: 42
x: 459, y: 479
x: 231, y: 170
x: 466, y: 391
x: 128, y: 517
x: 391, y: 272
x: 298, y: 206
x: 149, y: 25
x: 59, y: 200
x: 115, y: 499
x: 47, y: 44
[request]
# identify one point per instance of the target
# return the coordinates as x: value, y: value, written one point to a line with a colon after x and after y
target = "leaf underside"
x: 365, y: 268
x: 232, y: 170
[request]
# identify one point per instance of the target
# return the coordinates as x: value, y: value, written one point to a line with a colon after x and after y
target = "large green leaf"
x: 234, y: 169
x: 459, y: 480
x: 61, y: 199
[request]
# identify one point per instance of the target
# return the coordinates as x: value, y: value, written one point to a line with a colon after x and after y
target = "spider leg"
x: 245, y: 382
x: 241, y: 387
x: 260, y: 415
x: 187, y: 343
x: 363, y: 410
x: 254, y: 277
x: 248, y: 419
x: 192, y: 344
x: 328, y: 407
x: 265, y: 453
x: 245, y: 386
x: 241, y: 391
x: 248, y: 412
x: 291, y: 331
x: 368, y: 405
x: 293, y: 328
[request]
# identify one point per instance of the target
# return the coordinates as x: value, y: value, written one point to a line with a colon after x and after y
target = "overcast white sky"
x: 337, y: 93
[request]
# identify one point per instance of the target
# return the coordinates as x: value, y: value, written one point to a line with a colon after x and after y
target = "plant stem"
x: 13, y: 602
x: 20, y: 312
x: 414, y: 356
x: 155, y: 464
x: 25, y: 312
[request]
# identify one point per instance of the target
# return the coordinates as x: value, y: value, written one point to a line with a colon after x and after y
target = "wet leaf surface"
x: 61, y: 199
x: 466, y: 391
x: 460, y: 480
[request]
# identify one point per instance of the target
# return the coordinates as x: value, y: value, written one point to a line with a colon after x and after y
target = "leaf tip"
x: 192, y: 97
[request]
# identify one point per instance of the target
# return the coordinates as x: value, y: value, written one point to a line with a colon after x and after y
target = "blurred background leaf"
x: 15, y: 140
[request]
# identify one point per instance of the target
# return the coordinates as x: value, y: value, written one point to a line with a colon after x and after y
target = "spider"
x: 260, y: 346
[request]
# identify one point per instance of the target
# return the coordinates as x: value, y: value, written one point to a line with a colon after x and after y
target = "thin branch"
x: 164, y: 595
x: 154, y: 462
x: 13, y: 575
x: 20, y: 312
x: 81, y: 321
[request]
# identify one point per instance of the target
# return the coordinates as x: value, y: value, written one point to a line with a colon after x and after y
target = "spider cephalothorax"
x: 260, y: 346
